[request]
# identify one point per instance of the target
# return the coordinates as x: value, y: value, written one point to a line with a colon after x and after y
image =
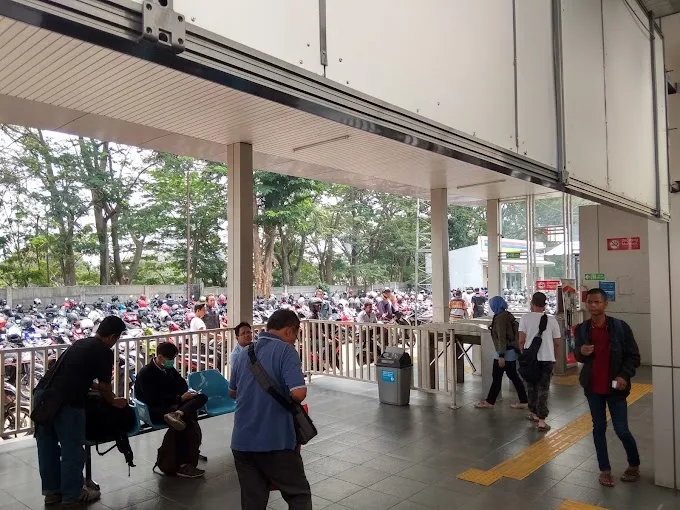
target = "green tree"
x: 466, y: 224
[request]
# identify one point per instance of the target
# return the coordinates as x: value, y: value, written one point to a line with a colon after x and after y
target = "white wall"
x: 629, y: 269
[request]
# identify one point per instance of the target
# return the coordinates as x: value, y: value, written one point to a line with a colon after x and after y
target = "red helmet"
x: 3, y: 322
x: 222, y: 299
x: 189, y: 317
x: 165, y: 307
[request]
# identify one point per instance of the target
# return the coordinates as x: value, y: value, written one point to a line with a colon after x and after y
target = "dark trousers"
x: 61, y: 456
x: 618, y: 408
x: 511, y: 369
x: 539, y: 390
x: 258, y: 471
x: 189, y: 409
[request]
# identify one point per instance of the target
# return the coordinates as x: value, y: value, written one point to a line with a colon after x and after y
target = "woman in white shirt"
x: 529, y: 327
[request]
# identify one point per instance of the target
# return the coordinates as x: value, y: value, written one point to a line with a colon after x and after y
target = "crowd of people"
x: 265, y: 442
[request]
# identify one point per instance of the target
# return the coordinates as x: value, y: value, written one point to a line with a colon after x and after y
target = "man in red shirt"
x: 610, y: 356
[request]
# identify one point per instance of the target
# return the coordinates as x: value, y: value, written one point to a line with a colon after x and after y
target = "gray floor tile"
x: 326, y: 447
x: 463, y: 487
x: 399, y: 486
x: 380, y: 446
x: 409, y: 505
x: 124, y: 498
x: 368, y: 499
x: 437, y: 497
x: 412, y: 453
x: 569, y: 460
x: 362, y: 475
x: 564, y: 490
x: 317, y: 503
x: 428, y: 474
x: 356, y: 455
x: 158, y: 503
x: 387, y: 464
x: 328, y: 466
x: 334, y: 490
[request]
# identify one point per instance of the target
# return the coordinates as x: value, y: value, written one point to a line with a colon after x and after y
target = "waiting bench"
x: 209, y: 382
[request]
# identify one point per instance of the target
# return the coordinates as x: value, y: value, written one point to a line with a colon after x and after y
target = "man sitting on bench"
x: 168, y: 398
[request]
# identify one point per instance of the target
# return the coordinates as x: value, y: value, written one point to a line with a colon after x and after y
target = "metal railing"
x: 338, y: 349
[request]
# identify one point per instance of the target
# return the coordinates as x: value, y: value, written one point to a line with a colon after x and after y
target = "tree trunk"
x: 284, y: 259
x: 69, y: 267
x: 328, y: 262
x: 115, y: 245
x: 268, y: 262
x: 296, y: 268
x: 137, y: 258
x: 100, y: 223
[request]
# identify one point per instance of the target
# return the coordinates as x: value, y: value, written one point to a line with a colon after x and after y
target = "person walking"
x: 532, y: 325
x: 506, y: 341
x: 606, y: 346
x: 61, y: 457
x: 263, y: 440
x: 458, y: 306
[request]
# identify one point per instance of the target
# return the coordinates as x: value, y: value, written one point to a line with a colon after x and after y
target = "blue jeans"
x: 61, y: 456
x: 618, y: 408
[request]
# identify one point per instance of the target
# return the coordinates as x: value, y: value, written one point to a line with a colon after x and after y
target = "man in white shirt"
x: 529, y: 326
x: 197, y: 324
x: 367, y: 315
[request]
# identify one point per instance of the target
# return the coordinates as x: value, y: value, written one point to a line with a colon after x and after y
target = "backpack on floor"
x: 179, y: 448
x: 529, y: 368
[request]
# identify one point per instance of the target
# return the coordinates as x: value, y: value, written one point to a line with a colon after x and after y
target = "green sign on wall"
x: 513, y: 255
x: 595, y: 276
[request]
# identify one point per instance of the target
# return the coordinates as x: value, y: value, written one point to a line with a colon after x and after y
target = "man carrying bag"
x: 59, y: 413
x: 264, y: 440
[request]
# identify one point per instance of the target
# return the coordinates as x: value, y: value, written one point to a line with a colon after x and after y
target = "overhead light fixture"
x: 316, y: 144
x: 480, y: 184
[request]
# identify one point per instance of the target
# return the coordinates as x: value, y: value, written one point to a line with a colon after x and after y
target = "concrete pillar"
x: 240, y: 230
x: 494, y: 236
x: 439, y: 226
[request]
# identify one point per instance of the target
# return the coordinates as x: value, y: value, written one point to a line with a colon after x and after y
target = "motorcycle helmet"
x: 165, y: 307
x: 86, y: 324
x: 168, y: 296
x: 222, y: 299
x: 20, y: 308
x: 37, y: 302
x: 3, y: 302
x: 72, y: 317
x: 3, y: 322
x: 26, y: 323
x: 201, y: 299
x: 6, y: 309
x: 114, y: 299
x: 190, y: 316
x: 121, y: 306
x: 163, y: 315
x: 301, y: 301
x: 175, y: 307
x: 14, y: 334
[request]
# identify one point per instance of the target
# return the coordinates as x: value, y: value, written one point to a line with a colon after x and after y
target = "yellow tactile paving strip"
x: 577, y: 505
x: 541, y: 452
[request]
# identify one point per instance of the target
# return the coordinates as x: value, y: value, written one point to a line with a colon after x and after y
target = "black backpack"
x: 105, y: 423
x: 528, y: 360
x: 178, y: 448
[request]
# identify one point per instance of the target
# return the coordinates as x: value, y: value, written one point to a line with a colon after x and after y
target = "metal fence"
x: 337, y: 349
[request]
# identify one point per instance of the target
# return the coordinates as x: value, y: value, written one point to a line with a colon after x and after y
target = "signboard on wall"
x: 547, y: 284
x: 623, y: 243
x: 595, y: 276
x: 610, y: 289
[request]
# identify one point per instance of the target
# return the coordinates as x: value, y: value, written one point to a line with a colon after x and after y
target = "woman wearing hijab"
x: 504, y: 335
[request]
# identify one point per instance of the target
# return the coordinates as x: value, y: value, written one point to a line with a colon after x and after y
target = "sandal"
x: 519, y: 405
x: 632, y: 474
x: 530, y: 417
x: 543, y: 429
x: 606, y: 479
x: 483, y: 404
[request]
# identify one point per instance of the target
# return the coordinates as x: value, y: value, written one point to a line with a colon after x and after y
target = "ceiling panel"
x: 55, y: 82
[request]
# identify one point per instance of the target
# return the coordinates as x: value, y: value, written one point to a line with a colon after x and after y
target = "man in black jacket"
x: 167, y: 395
x: 610, y: 356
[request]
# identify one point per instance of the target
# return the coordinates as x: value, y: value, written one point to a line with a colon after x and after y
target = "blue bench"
x: 209, y: 382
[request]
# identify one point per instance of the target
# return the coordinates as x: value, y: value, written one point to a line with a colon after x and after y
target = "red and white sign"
x: 623, y: 243
x: 547, y: 284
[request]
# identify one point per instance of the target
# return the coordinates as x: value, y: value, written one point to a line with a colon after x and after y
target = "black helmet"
x: 26, y: 323
x: 72, y: 317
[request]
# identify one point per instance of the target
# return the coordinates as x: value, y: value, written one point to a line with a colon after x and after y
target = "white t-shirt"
x: 529, y: 324
x: 197, y: 324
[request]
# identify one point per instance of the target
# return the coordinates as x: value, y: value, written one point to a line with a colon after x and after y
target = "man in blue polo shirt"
x: 263, y: 441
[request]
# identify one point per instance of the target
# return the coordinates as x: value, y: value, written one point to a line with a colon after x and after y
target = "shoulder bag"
x: 529, y: 368
x: 304, y: 427
x: 49, y: 401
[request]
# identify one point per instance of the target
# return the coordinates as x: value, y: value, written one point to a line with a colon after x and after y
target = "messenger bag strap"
x: 265, y: 382
x: 51, y: 373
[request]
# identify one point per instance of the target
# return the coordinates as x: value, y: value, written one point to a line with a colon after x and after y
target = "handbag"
x: 49, y: 401
x: 305, y: 430
x: 529, y: 368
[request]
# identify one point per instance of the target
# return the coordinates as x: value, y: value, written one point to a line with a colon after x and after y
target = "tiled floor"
x: 371, y: 456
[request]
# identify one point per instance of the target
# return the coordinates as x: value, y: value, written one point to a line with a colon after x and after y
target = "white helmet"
x: 301, y: 301
x: 86, y: 324
x: 37, y: 301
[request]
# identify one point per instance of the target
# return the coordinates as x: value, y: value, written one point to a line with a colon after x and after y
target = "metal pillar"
x: 240, y: 229
x: 494, y: 244
x: 422, y: 276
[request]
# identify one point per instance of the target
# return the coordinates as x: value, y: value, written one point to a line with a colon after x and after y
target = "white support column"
x: 240, y: 219
x: 494, y: 242
x: 439, y: 228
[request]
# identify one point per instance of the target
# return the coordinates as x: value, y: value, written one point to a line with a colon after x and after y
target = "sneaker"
x: 87, y: 495
x: 189, y: 471
x: 52, y: 499
x: 175, y: 421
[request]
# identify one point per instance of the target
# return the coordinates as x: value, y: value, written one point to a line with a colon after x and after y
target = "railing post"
x: 452, y: 353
